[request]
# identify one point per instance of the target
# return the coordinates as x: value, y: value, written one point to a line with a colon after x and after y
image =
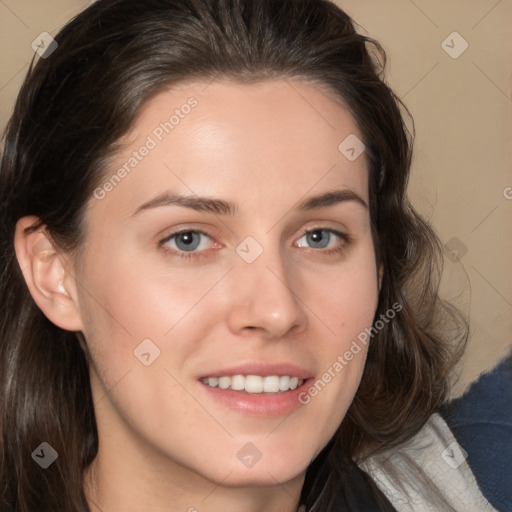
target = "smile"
x: 255, y: 384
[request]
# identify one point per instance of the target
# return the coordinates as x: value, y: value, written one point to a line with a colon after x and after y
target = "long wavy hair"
x: 72, y: 110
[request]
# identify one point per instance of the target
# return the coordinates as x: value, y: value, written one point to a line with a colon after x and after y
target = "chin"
x: 264, y: 476
x: 269, y: 471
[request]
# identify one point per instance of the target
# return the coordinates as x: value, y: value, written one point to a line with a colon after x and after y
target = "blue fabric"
x: 481, y: 421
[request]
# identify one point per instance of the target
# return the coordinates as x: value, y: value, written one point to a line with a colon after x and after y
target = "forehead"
x: 243, y: 142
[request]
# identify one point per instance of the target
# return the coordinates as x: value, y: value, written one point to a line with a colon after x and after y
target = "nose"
x: 263, y: 300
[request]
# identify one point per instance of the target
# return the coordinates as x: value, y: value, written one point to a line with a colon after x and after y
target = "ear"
x: 44, y: 269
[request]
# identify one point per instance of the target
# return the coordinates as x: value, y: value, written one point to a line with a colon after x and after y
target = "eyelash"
x: 183, y: 254
x: 346, y: 241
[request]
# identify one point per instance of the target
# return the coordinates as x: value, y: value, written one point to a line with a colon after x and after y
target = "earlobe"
x: 44, y: 270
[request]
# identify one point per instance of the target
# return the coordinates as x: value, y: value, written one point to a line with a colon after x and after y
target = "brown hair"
x: 75, y: 105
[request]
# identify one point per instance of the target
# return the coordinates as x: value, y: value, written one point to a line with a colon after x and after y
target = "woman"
x: 215, y: 293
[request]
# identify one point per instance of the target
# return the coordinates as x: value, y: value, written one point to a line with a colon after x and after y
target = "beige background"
x: 462, y: 109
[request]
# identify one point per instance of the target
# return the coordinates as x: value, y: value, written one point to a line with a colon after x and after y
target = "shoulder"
x: 481, y: 420
x: 429, y: 472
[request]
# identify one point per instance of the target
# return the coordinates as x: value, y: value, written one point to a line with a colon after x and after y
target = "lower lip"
x: 258, y: 404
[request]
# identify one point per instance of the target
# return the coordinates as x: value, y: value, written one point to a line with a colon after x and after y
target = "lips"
x: 257, y: 389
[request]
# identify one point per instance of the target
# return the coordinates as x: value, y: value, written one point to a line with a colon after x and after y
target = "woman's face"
x: 273, y: 275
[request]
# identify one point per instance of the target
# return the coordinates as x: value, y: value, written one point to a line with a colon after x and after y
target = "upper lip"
x: 262, y: 369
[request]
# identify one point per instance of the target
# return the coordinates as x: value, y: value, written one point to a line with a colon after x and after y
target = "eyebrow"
x: 332, y: 198
x: 221, y: 207
x: 198, y: 203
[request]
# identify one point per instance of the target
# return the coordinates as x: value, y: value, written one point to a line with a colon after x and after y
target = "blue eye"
x: 187, y: 241
x: 190, y: 243
x: 321, y: 239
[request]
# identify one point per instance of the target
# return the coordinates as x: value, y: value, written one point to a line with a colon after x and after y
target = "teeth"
x: 255, y: 383
x: 284, y: 383
x: 224, y: 382
x: 271, y: 384
x: 237, y: 382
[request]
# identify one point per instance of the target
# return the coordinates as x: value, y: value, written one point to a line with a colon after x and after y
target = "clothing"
x: 467, y: 470
x: 481, y: 420
x: 343, y: 484
x: 428, y: 473
x: 360, y: 495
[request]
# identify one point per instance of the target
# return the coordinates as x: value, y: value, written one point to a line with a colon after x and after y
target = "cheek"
x: 140, y: 299
x: 345, y: 297
x: 344, y: 300
x: 127, y: 302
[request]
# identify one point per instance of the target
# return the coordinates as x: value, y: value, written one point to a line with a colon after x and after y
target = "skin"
x: 165, y: 443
